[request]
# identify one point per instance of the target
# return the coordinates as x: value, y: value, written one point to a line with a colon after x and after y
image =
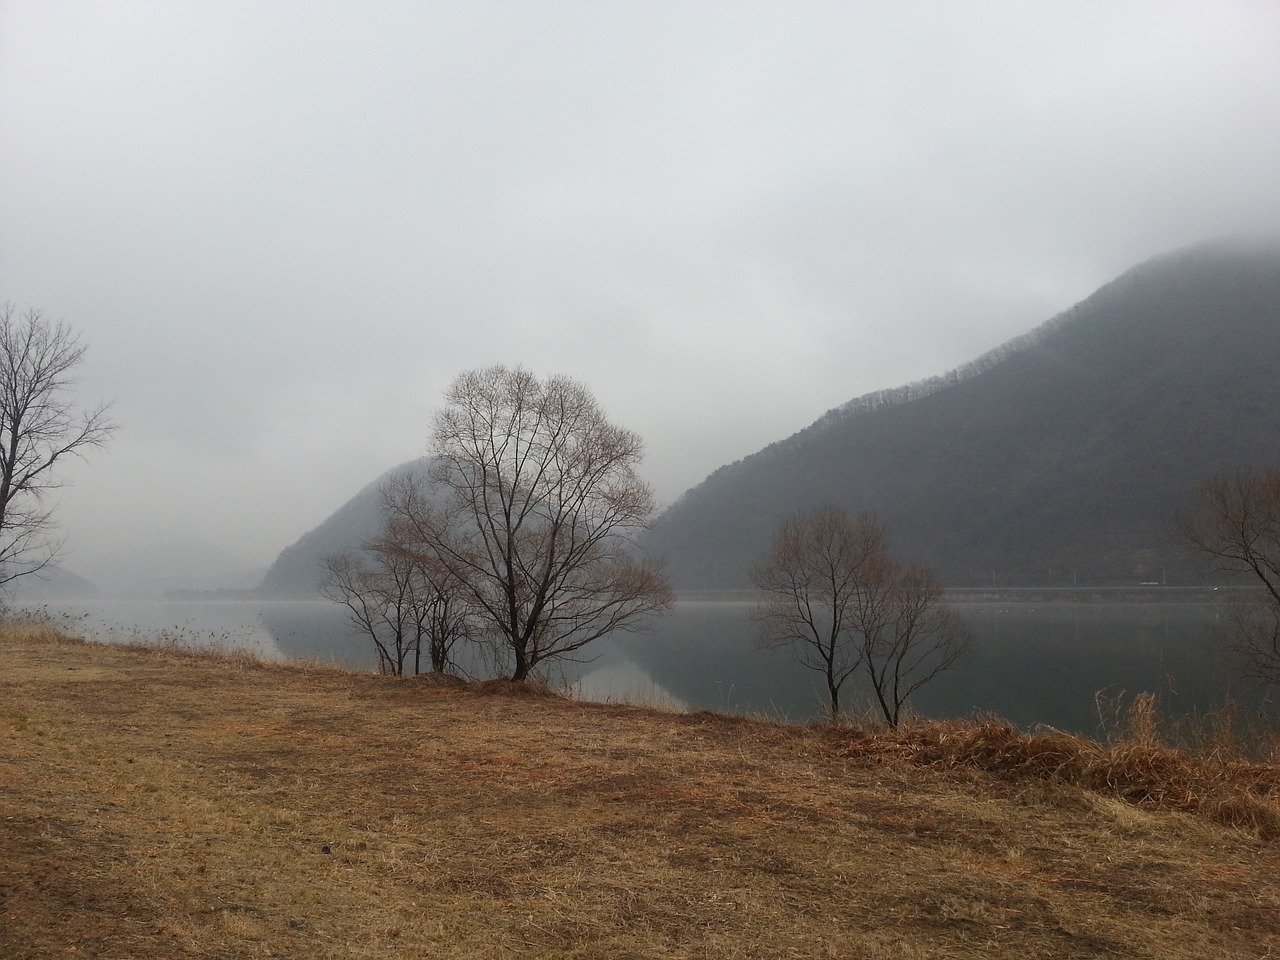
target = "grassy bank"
x: 160, y: 804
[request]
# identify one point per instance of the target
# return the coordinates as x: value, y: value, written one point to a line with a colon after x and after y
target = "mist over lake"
x: 1031, y: 663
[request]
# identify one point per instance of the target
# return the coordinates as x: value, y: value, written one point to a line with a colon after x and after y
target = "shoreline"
x: 1140, y: 593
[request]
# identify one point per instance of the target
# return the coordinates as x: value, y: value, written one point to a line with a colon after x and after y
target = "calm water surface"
x: 1031, y: 663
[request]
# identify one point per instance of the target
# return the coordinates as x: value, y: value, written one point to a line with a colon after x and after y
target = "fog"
x: 282, y: 228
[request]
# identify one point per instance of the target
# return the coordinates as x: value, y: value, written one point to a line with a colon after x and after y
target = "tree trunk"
x: 521, y: 671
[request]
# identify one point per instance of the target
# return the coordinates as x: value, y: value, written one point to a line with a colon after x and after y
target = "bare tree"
x: 811, y: 583
x: 400, y: 599
x: 833, y: 592
x: 908, y: 635
x: 540, y: 505
x: 377, y: 592
x: 446, y: 617
x: 39, y: 426
x: 1237, y: 527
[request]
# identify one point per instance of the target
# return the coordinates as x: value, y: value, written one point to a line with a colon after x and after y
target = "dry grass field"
x: 158, y: 804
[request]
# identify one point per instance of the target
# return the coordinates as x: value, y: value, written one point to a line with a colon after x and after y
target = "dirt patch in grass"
x: 157, y: 804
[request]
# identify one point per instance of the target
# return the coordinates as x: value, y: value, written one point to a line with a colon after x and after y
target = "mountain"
x: 1057, y: 458
x: 299, y: 569
x: 52, y: 583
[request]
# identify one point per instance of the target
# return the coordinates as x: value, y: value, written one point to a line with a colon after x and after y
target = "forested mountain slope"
x: 1058, y: 458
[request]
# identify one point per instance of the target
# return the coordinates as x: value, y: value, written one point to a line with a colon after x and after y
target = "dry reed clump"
x: 1226, y: 732
x: 1138, y: 769
x: 37, y: 625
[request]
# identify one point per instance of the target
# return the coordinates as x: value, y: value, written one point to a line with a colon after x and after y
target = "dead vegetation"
x: 157, y: 804
x: 1145, y: 774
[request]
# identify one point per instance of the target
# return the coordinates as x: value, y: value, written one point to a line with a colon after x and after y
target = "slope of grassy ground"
x: 156, y: 804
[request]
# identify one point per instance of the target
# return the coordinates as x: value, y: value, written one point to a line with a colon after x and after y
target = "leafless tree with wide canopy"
x: 536, y: 507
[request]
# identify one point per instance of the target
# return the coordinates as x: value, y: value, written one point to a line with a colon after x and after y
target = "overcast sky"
x: 282, y: 228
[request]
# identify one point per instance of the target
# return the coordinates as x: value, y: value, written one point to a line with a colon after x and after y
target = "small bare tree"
x: 377, y: 588
x: 832, y: 591
x: 908, y: 635
x: 812, y: 582
x: 402, y: 600
x: 540, y: 503
x: 446, y: 616
x: 1237, y: 527
x: 39, y: 425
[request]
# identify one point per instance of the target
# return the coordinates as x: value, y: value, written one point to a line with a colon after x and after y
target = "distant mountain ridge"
x: 1057, y: 458
x: 918, y: 389
x: 54, y: 583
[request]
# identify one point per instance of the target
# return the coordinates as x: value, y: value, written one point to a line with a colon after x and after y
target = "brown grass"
x: 1142, y: 772
x: 155, y: 804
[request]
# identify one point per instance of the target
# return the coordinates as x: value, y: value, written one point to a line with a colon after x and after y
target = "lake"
x: 1031, y: 663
